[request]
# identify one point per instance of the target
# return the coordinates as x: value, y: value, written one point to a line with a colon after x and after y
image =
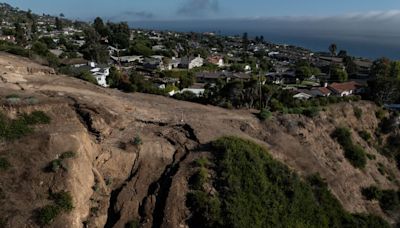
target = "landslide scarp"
x: 134, y: 153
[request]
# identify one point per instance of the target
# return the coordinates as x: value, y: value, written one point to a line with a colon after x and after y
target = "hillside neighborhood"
x: 170, y: 63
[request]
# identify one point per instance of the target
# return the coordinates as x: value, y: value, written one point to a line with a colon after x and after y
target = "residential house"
x: 191, y: 62
x: 152, y: 63
x: 8, y: 38
x: 197, y: 88
x: 346, y: 88
x: 216, y: 60
x: 128, y: 59
x: 321, y: 91
x: 99, y: 72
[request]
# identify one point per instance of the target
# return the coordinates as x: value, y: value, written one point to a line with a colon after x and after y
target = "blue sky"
x: 131, y: 10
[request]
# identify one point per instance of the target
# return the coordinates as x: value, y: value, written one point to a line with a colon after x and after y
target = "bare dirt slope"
x: 114, y: 181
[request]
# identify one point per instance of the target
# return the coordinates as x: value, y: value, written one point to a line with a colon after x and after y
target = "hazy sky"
x: 130, y: 10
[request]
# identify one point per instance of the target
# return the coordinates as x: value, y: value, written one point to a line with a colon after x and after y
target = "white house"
x: 100, y: 73
x: 346, y: 88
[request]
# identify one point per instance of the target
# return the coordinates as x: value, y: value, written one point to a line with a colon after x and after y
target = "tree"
x: 114, y: 78
x: 140, y: 48
x: 40, y: 48
x: 34, y: 27
x: 381, y: 68
x: 245, y: 40
x: 100, y: 28
x: 93, y: 50
x: 303, y: 72
x: 338, y: 74
x: 29, y: 14
x: 384, y: 90
x: 351, y: 67
x: 62, y: 15
x: 59, y: 24
x: 395, y: 70
x: 332, y: 49
x: 19, y: 34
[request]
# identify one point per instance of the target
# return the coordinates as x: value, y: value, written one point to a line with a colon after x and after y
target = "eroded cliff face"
x: 134, y: 152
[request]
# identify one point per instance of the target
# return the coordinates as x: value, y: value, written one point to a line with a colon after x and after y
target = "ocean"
x: 365, y: 41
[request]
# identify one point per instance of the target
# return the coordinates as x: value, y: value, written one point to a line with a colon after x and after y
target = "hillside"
x: 132, y: 154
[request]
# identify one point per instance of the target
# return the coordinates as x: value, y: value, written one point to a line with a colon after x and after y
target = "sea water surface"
x: 369, y: 40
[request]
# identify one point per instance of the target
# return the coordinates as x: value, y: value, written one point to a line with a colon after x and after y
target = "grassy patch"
x: 254, y: 190
x: 11, y: 129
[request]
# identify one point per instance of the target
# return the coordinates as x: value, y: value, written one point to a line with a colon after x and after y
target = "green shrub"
x: 311, y: 112
x: 137, y: 141
x: 365, y: 135
x: 13, y: 96
x: 371, y: 193
x: 55, y: 165
x: 355, y: 154
x: 371, y: 156
x: 4, y: 164
x: 343, y: 136
x: 48, y: 213
x: 202, y: 162
x: 87, y: 76
x: 389, y: 201
x: 68, y: 154
x: 380, y: 114
x: 63, y: 200
x: 357, y: 112
x: 132, y: 224
x: 381, y: 169
x: 264, y: 114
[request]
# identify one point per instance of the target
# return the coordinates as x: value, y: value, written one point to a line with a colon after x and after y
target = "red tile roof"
x: 324, y: 90
x: 346, y: 86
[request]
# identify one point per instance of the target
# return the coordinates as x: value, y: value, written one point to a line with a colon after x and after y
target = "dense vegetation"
x: 16, y: 128
x: 389, y: 200
x: 254, y: 190
x: 353, y: 152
